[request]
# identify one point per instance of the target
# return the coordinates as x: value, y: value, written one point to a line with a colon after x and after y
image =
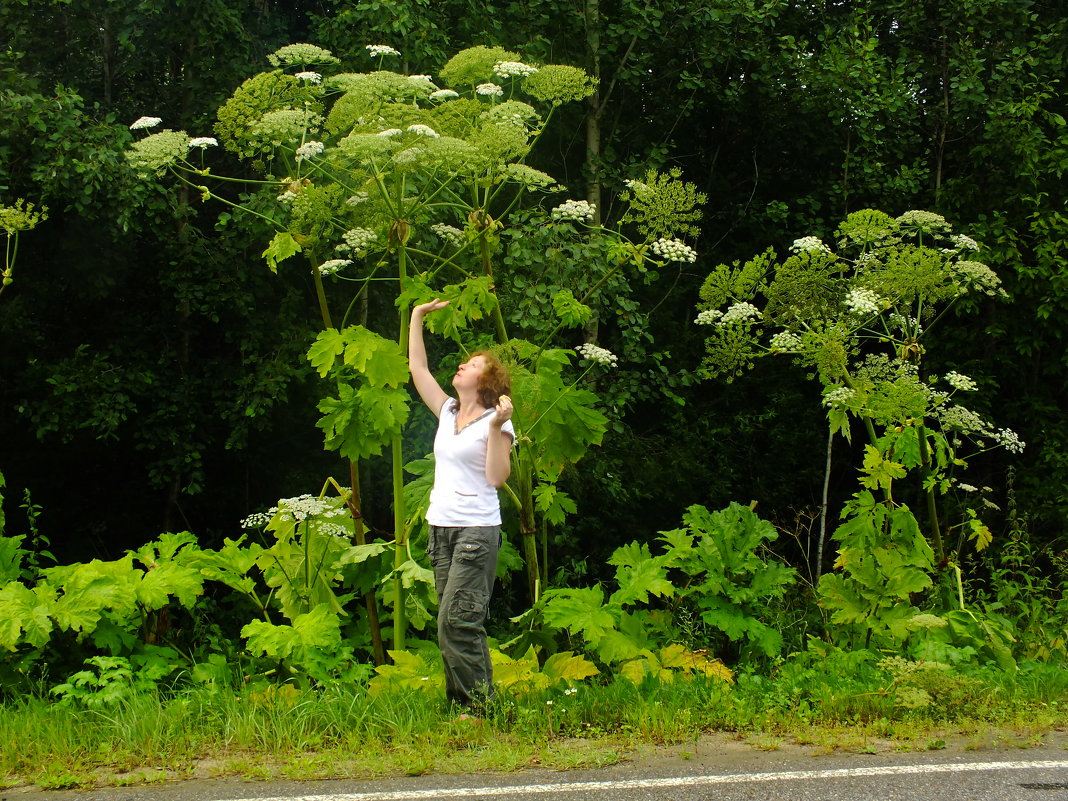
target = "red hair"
x: 493, y: 381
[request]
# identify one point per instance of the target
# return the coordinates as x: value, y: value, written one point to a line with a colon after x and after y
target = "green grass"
x: 343, y: 731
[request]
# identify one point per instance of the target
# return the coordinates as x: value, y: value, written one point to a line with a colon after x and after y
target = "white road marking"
x: 688, y: 781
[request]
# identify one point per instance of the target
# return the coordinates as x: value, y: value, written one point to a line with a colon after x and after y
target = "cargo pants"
x: 465, y: 564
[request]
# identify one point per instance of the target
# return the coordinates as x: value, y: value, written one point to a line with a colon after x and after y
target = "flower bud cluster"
x: 786, y: 342
x: 310, y: 77
x: 809, y: 243
x: 513, y: 69
x: 145, y: 122
x: 837, y: 396
x: 452, y: 235
x: 961, y: 382
x: 576, y: 210
x: 331, y: 266
x: 489, y: 90
x: 381, y: 50
x: 309, y: 150
x: 740, y: 313
x: 1009, y: 440
x: 708, y: 316
x: 863, y: 301
x: 674, y: 250
x: 357, y: 240
x: 423, y: 130
x: 597, y: 354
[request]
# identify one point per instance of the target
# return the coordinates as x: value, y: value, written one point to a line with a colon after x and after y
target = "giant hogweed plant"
x: 859, y: 317
x: 714, y: 566
x: 388, y: 183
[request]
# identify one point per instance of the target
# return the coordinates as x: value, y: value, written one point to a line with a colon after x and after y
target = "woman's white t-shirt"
x: 462, y: 496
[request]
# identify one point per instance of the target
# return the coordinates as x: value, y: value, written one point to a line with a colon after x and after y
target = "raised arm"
x: 425, y: 383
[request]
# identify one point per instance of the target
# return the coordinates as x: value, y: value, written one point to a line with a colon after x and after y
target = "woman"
x: 472, y: 459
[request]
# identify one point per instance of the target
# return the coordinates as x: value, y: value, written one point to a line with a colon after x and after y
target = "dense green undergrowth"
x: 841, y: 700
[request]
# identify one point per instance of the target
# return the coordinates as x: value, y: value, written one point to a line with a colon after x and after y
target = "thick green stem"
x: 932, y: 501
x: 400, y: 553
x: 487, y: 268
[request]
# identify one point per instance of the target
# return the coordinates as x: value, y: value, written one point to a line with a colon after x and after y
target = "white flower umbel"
x: 923, y: 221
x: 961, y: 382
x: 333, y: 265
x: 967, y: 488
x: 963, y: 242
x: 256, y: 520
x: 444, y: 94
x: 310, y: 77
x: 674, y: 250
x: 597, y: 354
x: 309, y: 150
x: 1009, y: 440
x: 837, y: 396
x: 305, y: 506
x: 809, y: 243
x: 423, y: 130
x: 489, y: 90
x: 976, y: 275
x: 452, y: 236
x: 513, y: 69
x: 786, y: 342
x: 708, y: 317
x: 740, y: 313
x: 391, y: 132
x: 145, y: 122
x: 863, y: 301
x: 575, y: 210
x: 964, y: 420
x: 357, y: 240
x: 381, y: 50
x: 204, y: 142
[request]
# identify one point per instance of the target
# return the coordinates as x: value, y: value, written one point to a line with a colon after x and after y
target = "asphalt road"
x: 714, y: 772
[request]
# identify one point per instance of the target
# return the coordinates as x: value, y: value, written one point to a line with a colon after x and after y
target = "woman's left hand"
x: 504, y: 411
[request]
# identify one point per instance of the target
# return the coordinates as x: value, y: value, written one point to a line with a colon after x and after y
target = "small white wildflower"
x: 310, y: 77
x: 674, y: 250
x: 204, y: 142
x: 708, y: 316
x: 452, y: 236
x: 837, y: 396
x: 489, y: 90
x: 597, y: 354
x: 145, y: 122
x: 357, y: 240
x: 863, y: 301
x: 809, y: 243
x: 548, y: 703
x: 256, y: 520
x: 333, y: 265
x: 390, y: 132
x: 576, y: 210
x: 381, y: 50
x: 961, y: 382
x: 513, y: 69
x: 309, y: 150
x: 739, y: 313
x: 967, y: 488
x: 423, y: 130
x: 786, y: 342
x: 571, y: 691
x: 444, y: 94
x: 1009, y: 440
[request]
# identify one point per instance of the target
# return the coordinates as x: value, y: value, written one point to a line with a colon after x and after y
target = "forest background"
x: 153, y: 374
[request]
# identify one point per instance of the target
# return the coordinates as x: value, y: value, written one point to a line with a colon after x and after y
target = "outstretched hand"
x: 430, y: 306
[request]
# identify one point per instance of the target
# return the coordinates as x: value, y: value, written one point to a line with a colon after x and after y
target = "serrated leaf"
x: 580, y: 611
x: 25, y: 610
x: 566, y: 666
x: 323, y: 353
x: 282, y: 246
